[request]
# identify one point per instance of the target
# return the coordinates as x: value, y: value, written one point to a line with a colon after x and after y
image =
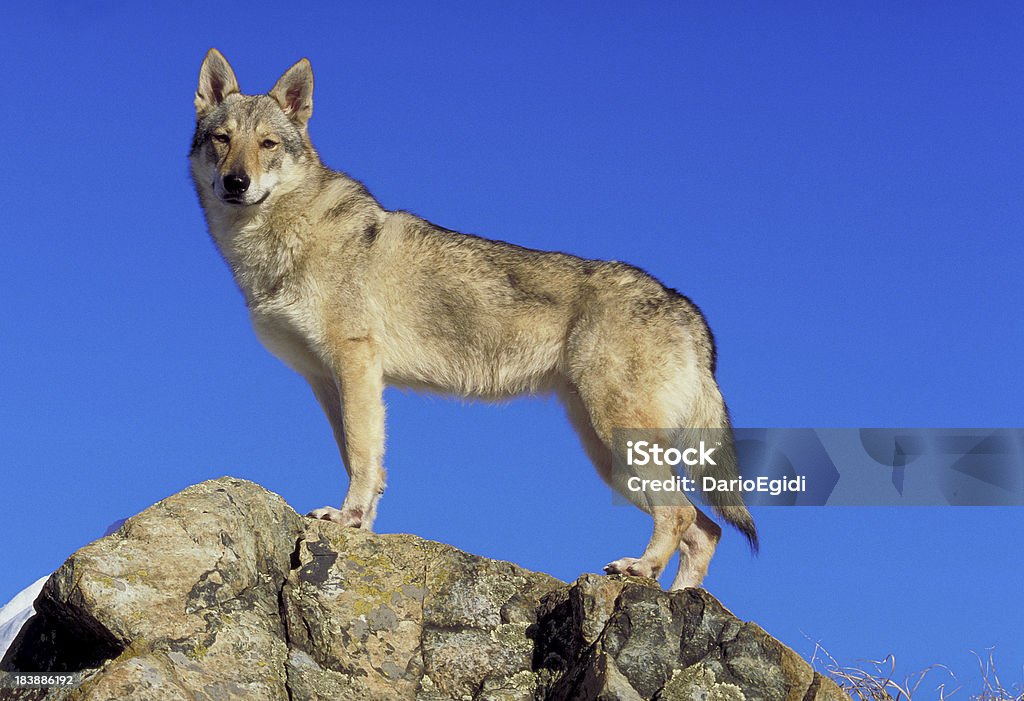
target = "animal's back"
x: 490, y: 318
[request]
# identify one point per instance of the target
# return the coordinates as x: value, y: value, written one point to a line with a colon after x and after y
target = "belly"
x: 470, y: 367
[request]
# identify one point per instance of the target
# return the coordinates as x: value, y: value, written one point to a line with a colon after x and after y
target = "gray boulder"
x: 223, y: 592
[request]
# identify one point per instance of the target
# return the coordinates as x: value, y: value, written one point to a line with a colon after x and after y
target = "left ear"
x: 294, y: 92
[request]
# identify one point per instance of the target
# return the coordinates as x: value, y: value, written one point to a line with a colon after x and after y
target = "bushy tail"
x: 716, y: 431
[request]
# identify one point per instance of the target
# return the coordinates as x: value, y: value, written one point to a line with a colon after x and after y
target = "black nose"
x: 236, y: 183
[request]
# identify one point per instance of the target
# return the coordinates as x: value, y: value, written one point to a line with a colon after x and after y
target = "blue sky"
x: 839, y: 189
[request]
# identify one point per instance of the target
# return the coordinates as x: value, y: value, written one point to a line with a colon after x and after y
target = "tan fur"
x: 355, y: 297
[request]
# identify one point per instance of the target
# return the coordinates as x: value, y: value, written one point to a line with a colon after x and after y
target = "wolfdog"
x: 353, y: 296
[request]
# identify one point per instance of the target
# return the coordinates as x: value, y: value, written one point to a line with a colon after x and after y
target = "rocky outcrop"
x: 223, y: 592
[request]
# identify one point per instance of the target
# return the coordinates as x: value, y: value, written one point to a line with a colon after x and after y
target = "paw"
x: 633, y: 566
x: 348, y: 517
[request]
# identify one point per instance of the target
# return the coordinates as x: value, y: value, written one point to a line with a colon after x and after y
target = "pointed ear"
x: 216, y: 82
x: 294, y: 92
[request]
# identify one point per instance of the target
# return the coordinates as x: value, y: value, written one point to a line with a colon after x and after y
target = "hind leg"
x: 696, y: 548
x: 599, y: 453
x: 671, y: 521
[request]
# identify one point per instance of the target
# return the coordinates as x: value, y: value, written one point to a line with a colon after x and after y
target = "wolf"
x: 355, y: 297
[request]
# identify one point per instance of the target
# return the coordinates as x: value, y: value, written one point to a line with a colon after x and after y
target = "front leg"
x: 355, y: 408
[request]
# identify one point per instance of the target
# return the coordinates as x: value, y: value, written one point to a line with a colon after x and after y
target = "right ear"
x: 216, y: 82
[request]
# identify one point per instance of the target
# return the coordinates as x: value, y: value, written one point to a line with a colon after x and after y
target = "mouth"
x: 239, y: 202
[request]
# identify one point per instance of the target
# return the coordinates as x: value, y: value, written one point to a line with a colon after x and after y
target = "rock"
x: 625, y: 638
x: 223, y: 592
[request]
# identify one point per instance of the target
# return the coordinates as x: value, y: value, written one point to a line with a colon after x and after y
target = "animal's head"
x: 246, y: 147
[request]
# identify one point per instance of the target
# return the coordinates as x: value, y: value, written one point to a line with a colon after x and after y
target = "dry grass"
x: 875, y: 680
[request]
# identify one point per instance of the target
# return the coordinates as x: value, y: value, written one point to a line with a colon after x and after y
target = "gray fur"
x: 354, y: 297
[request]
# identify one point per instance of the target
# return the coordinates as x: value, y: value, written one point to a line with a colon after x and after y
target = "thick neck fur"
x: 264, y: 244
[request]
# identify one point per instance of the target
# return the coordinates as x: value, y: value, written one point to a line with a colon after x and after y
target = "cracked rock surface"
x: 223, y: 592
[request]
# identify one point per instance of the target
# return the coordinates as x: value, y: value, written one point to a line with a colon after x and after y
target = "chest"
x: 291, y: 329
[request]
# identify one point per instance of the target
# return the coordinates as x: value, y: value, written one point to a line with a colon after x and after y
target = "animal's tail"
x: 712, y: 414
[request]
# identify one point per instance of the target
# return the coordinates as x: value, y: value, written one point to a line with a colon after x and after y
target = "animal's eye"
x: 269, y: 144
x: 221, y: 138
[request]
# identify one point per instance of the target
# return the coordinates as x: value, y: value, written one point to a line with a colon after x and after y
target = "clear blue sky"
x: 840, y: 189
